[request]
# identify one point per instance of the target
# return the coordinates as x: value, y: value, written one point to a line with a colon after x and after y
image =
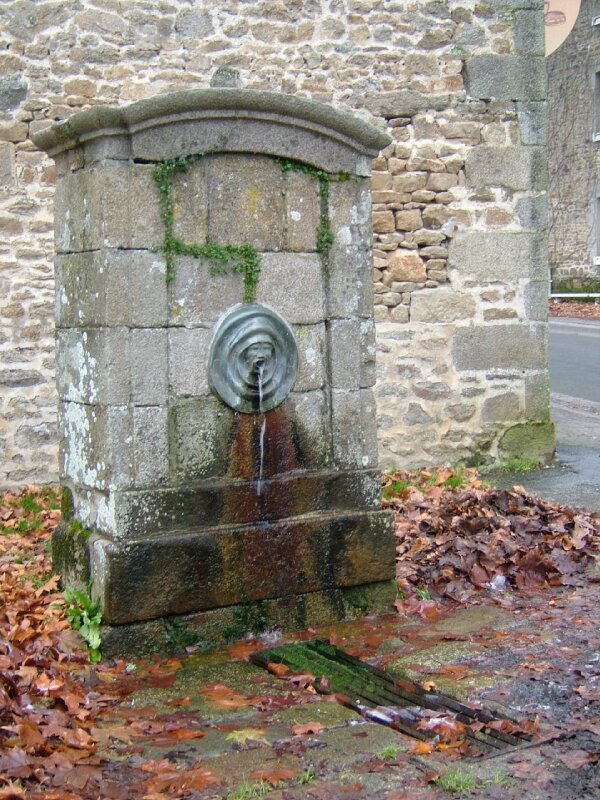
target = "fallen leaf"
x: 422, y: 748
x: 273, y: 776
x: 246, y: 735
x: 278, y: 669
x: 576, y: 759
x: 224, y: 697
x: 307, y: 728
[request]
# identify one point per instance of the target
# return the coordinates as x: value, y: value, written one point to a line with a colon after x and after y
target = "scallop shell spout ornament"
x: 253, y: 359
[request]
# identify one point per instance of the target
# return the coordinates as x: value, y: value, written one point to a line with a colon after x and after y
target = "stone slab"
x: 111, y: 288
x: 241, y: 133
x: 286, y: 277
x: 350, y: 260
x: 508, y: 346
x: 150, y: 446
x: 516, y: 168
x: 149, y: 366
x: 345, y: 353
x: 246, y: 201
x: 190, y: 204
x: 188, y: 360
x: 110, y: 205
x: 293, y: 612
x: 7, y: 164
x: 200, y: 439
x: 506, y: 77
x: 94, y: 366
x: 503, y: 256
x: 441, y: 305
x: 197, y: 297
x: 95, y: 445
x: 302, y: 211
x: 234, y: 502
x: 531, y: 440
x: 312, y: 357
x: 533, y: 122
x: 208, y: 440
x: 354, y: 428
x: 255, y: 121
x: 223, y: 567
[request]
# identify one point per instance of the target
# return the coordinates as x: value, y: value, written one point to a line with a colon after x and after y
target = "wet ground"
x: 216, y: 726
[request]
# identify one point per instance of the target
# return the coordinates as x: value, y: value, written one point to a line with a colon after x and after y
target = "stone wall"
x: 574, y: 156
x: 459, y: 214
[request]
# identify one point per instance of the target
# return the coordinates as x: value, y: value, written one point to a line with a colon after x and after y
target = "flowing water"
x: 263, y: 429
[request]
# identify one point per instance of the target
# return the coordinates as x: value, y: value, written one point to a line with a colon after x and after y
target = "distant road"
x: 575, y: 358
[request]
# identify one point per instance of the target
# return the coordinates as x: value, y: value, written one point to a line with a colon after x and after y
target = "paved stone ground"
x: 534, y: 657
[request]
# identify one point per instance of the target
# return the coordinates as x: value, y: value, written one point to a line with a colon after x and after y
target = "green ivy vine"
x: 241, y: 258
x: 324, y: 232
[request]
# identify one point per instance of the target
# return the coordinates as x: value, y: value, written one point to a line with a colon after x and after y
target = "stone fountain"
x: 215, y: 364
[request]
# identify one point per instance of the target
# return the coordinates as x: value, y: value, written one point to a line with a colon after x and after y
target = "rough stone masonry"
x: 218, y: 448
x: 459, y: 212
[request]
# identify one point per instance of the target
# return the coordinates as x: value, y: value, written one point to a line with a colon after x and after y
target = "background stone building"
x: 574, y: 155
x: 459, y: 217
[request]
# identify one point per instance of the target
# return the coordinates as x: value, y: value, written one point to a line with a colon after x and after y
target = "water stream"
x: 263, y: 429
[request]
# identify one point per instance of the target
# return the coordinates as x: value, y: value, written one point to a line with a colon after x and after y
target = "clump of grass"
x: 388, y: 753
x: 459, y: 781
x: 397, y: 482
x: 456, y: 780
x: 247, y: 790
x: 29, y: 510
x: 308, y: 776
x: 394, y: 489
x: 519, y: 464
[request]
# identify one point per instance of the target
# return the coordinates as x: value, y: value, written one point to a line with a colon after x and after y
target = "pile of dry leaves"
x: 574, y: 309
x: 45, y: 712
x: 456, y: 542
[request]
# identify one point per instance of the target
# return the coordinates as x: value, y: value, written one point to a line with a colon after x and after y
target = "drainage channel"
x: 395, y: 703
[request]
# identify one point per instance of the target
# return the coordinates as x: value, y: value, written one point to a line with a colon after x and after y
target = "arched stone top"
x: 219, y: 120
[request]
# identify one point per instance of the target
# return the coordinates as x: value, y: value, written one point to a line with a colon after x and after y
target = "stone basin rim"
x: 190, y: 104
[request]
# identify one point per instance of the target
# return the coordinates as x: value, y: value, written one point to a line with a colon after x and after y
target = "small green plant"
x: 247, y: 790
x: 499, y: 778
x: 324, y: 232
x: 29, y: 505
x: 395, y: 488
x: 41, y: 580
x: 84, y: 616
x: 423, y: 593
x: 519, y: 464
x: 240, y: 258
x: 456, y: 780
x: 388, y: 753
x: 308, y: 776
x: 459, y: 479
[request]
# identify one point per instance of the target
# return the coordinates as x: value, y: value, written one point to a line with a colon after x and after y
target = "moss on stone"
x: 70, y: 553
x: 241, y: 258
x: 531, y: 440
x: 67, y: 504
x: 248, y: 619
x: 430, y: 658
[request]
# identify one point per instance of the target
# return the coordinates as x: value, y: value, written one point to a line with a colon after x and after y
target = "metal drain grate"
x: 396, y: 703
